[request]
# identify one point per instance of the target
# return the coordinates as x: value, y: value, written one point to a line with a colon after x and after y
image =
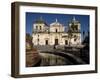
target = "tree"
x: 28, y: 37
x: 29, y: 44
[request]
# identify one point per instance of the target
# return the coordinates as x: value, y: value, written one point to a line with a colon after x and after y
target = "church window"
x: 76, y: 27
x: 36, y: 27
x: 74, y: 36
x: 46, y: 42
x: 66, y: 42
x: 74, y: 39
x: 38, y: 39
x: 56, y: 30
x: 40, y: 27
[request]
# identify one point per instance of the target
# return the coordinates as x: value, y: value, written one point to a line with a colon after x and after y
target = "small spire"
x: 56, y: 20
x: 74, y: 18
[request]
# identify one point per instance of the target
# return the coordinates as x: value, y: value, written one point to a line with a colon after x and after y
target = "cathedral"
x: 55, y: 33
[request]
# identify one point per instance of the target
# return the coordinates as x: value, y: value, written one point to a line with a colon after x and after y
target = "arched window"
x: 75, y: 39
x: 74, y: 36
x: 66, y: 42
x: 36, y: 27
x: 40, y: 28
x: 56, y: 30
x: 46, y: 42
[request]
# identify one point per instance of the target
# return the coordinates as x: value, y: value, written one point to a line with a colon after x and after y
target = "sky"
x: 50, y: 18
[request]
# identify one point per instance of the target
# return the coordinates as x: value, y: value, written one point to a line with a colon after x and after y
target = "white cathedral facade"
x: 56, y: 33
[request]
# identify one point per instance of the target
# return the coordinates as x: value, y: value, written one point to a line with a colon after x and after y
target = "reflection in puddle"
x: 48, y: 59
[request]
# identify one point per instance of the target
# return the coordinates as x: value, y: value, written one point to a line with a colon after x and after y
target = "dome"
x: 40, y: 21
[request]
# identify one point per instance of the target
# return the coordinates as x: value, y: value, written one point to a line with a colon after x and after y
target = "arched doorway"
x: 66, y: 42
x: 46, y: 42
x: 56, y: 41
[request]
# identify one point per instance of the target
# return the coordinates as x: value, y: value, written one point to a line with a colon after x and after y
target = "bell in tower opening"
x: 74, y: 25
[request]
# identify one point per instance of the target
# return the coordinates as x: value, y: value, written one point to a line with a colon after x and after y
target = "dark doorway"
x: 56, y: 41
x: 66, y: 42
x: 46, y: 42
x: 56, y: 31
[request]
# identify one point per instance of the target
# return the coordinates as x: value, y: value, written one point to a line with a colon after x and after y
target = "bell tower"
x: 74, y: 25
x: 39, y: 25
x: 75, y: 30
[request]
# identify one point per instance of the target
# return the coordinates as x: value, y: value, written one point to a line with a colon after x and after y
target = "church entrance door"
x: 56, y: 41
x: 66, y: 42
x: 46, y: 42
